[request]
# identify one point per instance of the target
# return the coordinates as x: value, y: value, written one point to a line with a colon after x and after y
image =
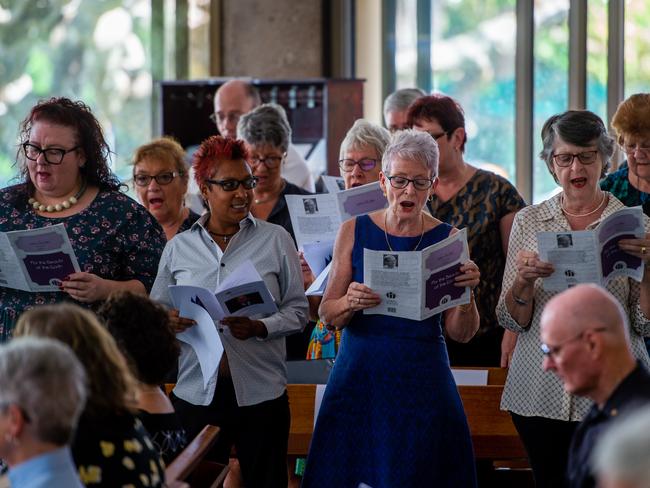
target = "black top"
x: 631, y: 393
x: 166, y: 432
x: 188, y: 222
x: 280, y: 213
x: 116, y: 451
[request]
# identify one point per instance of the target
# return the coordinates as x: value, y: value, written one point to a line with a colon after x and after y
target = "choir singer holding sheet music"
x: 391, y: 414
x: 247, y: 396
x: 576, y: 150
x: 66, y: 179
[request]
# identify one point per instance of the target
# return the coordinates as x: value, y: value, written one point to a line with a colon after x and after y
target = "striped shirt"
x: 257, y: 366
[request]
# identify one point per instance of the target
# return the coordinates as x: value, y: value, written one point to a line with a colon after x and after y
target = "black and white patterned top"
x: 529, y: 390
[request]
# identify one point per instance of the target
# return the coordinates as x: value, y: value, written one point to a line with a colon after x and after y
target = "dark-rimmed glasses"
x: 401, y: 182
x: 271, y: 162
x: 162, y: 178
x: 366, y: 164
x: 553, y: 351
x: 232, y: 184
x: 564, y: 160
x: 53, y: 155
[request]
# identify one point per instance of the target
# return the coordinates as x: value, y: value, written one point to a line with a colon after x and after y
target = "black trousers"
x: 260, y: 433
x: 547, y: 444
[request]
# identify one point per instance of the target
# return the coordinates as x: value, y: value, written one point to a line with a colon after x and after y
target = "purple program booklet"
x: 36, y: 260
x: 417, y: 284
x: 593, y: 256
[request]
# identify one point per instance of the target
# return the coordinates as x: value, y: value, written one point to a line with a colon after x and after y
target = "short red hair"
x: 214, y: 150
x: 440, y: 108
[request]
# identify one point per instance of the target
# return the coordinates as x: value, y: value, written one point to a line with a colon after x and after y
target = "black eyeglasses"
x: 161, y: 178
x: 366, y: 164
x: 232, y: 184
x: 553, y: 351
x: 564, y: 160
x: 401, y: 182
x: 271, y: 162
x: 52, y: 155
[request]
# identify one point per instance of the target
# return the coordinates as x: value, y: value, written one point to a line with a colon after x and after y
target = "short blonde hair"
x: 164, y: 149
x: 111, y: 386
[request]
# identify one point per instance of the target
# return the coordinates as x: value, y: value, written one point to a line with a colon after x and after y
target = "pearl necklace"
x: 585, y: 214
x: 64, y: 205
x: 386, y: 234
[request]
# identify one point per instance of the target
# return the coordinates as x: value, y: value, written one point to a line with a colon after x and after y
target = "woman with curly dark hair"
x: 143, y: 333
x: 66, y: 179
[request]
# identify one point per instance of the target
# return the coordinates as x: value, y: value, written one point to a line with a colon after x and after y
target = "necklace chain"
x: 64, y: 205
x: 224, y: 237
x: 585, y: 214
x: 386, y: 234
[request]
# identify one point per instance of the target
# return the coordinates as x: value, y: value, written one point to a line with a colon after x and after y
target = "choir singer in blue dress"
x: 391, y: 414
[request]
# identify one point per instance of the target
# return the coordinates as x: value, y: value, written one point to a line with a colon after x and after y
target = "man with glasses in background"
x: 233, y: 99
x: 585, y: 342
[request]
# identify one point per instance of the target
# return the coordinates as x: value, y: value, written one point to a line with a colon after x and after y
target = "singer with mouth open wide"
x: 576, y: 150
x: 391, y: 414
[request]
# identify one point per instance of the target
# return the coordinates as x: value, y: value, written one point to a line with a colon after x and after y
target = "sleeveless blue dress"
x: 391, y: 415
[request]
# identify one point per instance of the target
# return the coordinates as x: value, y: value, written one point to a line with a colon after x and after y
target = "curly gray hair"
x: 365, y: 134
x: 412, y: 145
x: 44, y: 378
x: 265, y: 125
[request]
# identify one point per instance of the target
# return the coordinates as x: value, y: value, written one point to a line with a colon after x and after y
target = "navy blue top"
x: 633, y: 392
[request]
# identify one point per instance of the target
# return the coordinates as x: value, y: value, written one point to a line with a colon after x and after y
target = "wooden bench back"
x: 190, y: 457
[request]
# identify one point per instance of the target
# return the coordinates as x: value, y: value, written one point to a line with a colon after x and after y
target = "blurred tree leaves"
x: 92, y: 50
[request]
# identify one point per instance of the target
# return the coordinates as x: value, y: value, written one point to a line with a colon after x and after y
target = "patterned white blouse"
x: 529, y: 390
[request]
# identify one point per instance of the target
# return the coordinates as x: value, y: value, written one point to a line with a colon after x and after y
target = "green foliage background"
x: 49, y: 48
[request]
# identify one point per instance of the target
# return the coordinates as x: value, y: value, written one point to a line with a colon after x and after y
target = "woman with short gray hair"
x: 355, y: 430
x: 266, y: 134
x: 42, y: 394
x: 361, y: 152
x: 576, y: 150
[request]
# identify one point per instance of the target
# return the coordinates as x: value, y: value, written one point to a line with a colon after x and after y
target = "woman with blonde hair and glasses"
x: 110, y: 447
x: 161, y: 180
x: 631, y: 122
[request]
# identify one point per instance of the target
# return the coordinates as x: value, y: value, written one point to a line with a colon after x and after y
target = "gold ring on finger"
x: 643, y: 250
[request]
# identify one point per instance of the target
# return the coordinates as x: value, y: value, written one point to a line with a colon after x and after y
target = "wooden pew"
x: 493, y: 433
x: 190, y: 465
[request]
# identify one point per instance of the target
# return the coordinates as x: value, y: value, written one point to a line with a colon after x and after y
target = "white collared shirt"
x: 257, y: 366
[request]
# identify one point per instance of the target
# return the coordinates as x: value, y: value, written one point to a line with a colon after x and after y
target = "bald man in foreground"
x: 585, y: 341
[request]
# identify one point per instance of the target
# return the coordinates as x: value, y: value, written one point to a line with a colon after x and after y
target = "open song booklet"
x: 593, y: 256
x: 417, y: 284
x: 318, y: 217
x: 242, y: 293
x: 36, y: 260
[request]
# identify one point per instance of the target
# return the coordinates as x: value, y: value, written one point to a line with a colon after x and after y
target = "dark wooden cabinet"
x: 317, y: 109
